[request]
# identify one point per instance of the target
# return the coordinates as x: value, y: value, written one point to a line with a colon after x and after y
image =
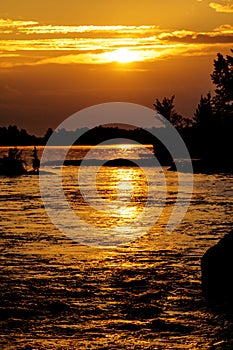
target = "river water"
x: 57, y: 293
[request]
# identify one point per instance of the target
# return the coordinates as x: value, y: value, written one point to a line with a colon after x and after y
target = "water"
x: 146, y: 294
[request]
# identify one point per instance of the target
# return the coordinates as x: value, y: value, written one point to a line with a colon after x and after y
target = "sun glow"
x: 123, y: 55
x: 28, y: 43
x: 125, y: 146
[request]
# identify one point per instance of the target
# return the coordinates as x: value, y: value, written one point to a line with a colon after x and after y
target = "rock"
x: 217, y: 271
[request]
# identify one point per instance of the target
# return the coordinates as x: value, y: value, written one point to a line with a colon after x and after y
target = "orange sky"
x: 57, y: 57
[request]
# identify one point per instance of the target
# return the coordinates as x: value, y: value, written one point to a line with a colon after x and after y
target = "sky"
x: 57, y: 57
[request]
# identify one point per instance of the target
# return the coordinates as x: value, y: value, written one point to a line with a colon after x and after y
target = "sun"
x: 123, y: 55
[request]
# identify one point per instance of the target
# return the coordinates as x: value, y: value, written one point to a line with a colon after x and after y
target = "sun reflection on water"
x: 58, y: 294
x: 123, y: 190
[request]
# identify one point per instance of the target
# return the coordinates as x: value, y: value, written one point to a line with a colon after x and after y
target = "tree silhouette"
x: 213, y: 118
x: 48, y: 134
x: 167, y: 109
x: 204, y: 114
x: 222, y: 77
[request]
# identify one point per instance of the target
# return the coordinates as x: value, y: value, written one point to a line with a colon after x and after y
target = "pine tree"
x: 167, y: 109
x: 203, y: 116
x: 222, y: 77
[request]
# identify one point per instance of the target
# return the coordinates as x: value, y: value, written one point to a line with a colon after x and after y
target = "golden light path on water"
x: 116, y: 187
x: 57, y: 294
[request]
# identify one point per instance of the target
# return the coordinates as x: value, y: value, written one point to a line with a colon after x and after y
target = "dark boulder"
x: 217, y: 271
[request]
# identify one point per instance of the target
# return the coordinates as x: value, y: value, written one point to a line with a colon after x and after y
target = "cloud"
x: 9, y: 24
x: 222, y: 34
x: 225, y: 28
x: 224, y: 6
x: 34, y: 28
x: 32, y: 43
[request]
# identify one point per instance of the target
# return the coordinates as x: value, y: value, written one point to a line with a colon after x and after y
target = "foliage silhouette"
x: 209, y: 136
x: 222, y: 77
x: 167, y: 109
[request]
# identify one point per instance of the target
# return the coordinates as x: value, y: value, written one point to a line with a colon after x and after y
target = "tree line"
x: 12, y: 136
x: 208, y: 136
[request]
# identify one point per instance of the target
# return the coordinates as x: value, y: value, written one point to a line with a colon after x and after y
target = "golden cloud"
x: 9, y: 23
x: 29, y: 43
x: 225, y: 6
